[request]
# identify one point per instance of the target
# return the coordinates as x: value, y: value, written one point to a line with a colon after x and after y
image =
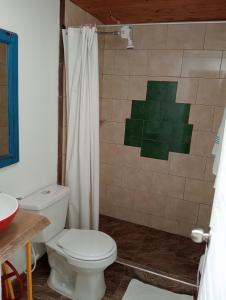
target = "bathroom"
x: 140, y: 196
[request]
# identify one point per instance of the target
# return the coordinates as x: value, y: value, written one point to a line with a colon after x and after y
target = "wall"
x: 37, y: 26
x: 173, y: 195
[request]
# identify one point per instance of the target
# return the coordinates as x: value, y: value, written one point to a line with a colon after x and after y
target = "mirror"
x: 9, y: 142
x: 4, y: 142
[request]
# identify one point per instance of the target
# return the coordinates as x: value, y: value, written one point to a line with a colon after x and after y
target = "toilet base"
x: 89, y: 286
x: 85, y: 286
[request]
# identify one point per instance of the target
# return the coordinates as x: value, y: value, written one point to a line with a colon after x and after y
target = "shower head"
x: 126, y: 33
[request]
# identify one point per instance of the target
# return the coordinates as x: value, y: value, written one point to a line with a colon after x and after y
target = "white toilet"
x: 77, y: 257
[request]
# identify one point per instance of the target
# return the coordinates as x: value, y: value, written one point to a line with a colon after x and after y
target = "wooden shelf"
x: 23, y: 228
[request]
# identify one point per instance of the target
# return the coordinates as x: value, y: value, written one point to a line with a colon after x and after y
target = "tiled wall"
x: 173, y: 195
x: 3, y: 100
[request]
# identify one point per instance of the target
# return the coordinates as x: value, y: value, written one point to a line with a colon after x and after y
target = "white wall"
x: 37, y: 25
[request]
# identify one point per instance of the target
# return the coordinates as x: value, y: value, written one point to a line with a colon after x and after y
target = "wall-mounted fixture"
x: 126, y: 33
x: 9, y: 133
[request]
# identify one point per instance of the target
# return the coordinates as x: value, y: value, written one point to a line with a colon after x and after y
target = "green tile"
x: 133, y: 132
x: 180, y: 148
x: 157, y: 131
x: 182, y: 133
x: 153, y: 111
x: 175, y: 112
x: 161, y: 91
x: 155, y: 150
x: 146, y: 110
x: 138, y: 109
x: 181, y: 138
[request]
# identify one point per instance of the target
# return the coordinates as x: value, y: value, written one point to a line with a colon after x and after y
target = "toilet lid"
x: 86, y: 244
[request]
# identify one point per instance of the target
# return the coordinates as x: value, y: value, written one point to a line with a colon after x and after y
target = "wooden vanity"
x: 20, y: 232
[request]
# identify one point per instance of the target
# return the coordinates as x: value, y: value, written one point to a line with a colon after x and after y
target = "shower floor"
x: 146, y: 251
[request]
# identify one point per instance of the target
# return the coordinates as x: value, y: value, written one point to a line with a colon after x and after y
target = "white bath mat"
x: 137, y: 290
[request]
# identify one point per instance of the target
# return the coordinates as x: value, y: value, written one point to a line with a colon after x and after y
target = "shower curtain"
x: 82, y: 162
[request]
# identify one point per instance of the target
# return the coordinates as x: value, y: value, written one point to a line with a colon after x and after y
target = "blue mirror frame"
x: 11, y: 40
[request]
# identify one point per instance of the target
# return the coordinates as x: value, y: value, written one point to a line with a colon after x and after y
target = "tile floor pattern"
x: 151, y: 249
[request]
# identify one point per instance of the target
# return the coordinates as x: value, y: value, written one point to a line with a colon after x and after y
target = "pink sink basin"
x: 8, y: 209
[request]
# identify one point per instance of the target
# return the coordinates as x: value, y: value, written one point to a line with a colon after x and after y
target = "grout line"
x: 157, y: 274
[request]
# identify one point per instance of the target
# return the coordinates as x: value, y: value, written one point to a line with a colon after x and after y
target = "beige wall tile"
x: 111, y: 175
x: 138, y: 179
x: 209, y: 170
x: 199, y: 191
x: 223, y: 66
x: 131, y: 62
x: 149, y: 203
x: 115, y: 87
x: 114, y: 41
x: 120, y: 155
x: 109, y: 62
x: 202, y: 143
x: 150, y: 37
x: 151, y: 164
x: 218, y: 115
x: 172, y: 186
x: 106, y: 110
x: 185, y: 228
x: 177, y: 209
x: 187, y: 89
x: 204, y: 216
x: 165, y: 62
x: 120, y: 196
x: 121, y: 110
x: 201, y: 63
x: 201, y: 116
x: 112, y: 132
x: 212, y: 92
x: 137, y: 87
x: 215, y: 36
x: 186, y: 36
x: 162, y: 223
x: 187, y: 165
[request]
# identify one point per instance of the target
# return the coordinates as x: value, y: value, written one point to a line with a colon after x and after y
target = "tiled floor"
x: 138, y: 246
x: 155, y: 250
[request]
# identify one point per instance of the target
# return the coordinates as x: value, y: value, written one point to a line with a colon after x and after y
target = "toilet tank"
x: 52, y: 202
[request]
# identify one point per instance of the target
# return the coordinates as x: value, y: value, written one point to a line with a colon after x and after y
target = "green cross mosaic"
x: 158, y: 124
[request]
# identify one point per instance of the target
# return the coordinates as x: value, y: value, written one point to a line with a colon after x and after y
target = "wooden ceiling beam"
x: 145, y: 11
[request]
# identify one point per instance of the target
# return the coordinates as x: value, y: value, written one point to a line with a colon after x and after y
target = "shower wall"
x: 175, y: 194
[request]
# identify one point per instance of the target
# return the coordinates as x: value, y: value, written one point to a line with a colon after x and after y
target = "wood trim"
x: 147, y: 11
x: 60, y: 97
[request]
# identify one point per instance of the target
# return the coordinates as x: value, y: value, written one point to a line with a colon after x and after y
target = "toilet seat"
x: 87, y: 244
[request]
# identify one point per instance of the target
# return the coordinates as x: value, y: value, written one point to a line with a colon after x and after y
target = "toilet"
x: 77, y: 257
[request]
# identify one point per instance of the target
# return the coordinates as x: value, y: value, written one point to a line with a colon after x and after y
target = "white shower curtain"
x: 82, y: 163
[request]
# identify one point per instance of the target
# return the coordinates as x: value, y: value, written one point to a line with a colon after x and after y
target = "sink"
x: 8, y: 209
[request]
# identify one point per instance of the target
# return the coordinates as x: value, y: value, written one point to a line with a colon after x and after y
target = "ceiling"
x: 145, y: 11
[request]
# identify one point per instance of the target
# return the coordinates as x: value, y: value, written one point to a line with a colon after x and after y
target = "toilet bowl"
x: 77, y: 257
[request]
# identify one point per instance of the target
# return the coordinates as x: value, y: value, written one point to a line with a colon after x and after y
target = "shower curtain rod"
x: 145, y: 24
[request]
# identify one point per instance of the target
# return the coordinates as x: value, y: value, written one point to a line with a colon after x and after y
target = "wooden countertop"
x: 24, y: 227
